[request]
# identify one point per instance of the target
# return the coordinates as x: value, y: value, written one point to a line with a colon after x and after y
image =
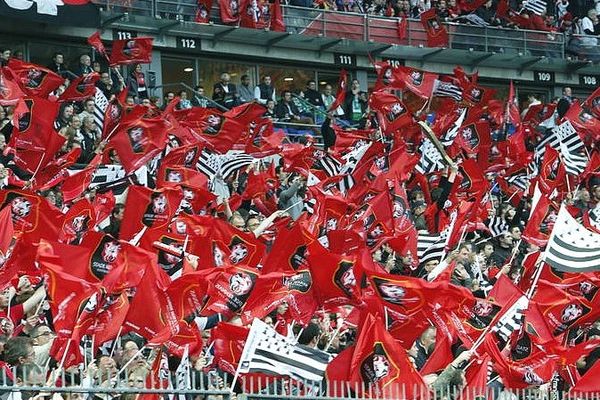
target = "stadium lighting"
x: 188, y: 69
x: 288, y: 79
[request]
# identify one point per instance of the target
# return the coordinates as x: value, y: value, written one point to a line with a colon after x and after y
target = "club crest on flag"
x: 213, y: 124
x: 396, y: 110
x: 301, y: 282
x: 531, y: 378
x: 77, y: 224
x: 105, y: 254
x: 481, y: 314
x: 23, y: 209
x: 377, y: 366
x: 156, y: 211
x: 240, y: 283
x: 298, y: 257
x: 138, y: 139
x: 389, y: 291
x: 416, y: 77
x: 344, y: 277
x: 239, y: 250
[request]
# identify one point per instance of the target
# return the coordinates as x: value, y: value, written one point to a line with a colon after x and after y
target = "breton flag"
x: 268, y: 352
x: 572, y: 247
x: 447, y: 89
x: 330, y: 165
x: 512, y: 319
x: 566, y: 140
x: 233, y: 161
x: 498, y: 226
x: 431, y: 159
x: 535, y: 6
x: 100, y: 106
x: 182, y: 374
x: 430, y: 246
x: 448, y: 137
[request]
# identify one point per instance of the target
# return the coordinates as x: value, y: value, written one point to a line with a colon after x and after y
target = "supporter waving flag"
x: 437, y: 36
x: 131, y: 51
x: 379, y: 365
x: 33, y: 79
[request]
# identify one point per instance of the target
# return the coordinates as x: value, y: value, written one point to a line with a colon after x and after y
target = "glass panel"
x: 176, y: 71
x: 210, y: 73
x: 287, y: 78
x: 42, y: 53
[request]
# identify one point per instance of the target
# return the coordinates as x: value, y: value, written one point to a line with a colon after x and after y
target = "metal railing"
x: 217, y: 383
x: 384, y: 30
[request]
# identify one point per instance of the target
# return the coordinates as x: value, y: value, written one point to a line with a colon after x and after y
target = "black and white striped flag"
x: 330, y: 165
x: 100, y: 106
x: 448, y: 137
x: 208, y: 163
x: 497, y: 226
x: 430, y: 246
x: 519, y: 180
x: 182, y: 374
x: 572, y: 247
x: 431, y: 159
x: 231, y: 162
x: 571, y: 148
x: 566, y: 140
x: 512, y: 318
x: 266, y: 351
x: 447, y: 89
x: 536, y: 6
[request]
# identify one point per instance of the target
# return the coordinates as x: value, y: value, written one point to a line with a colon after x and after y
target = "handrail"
x: 185, y: 85
x: 380, y: 29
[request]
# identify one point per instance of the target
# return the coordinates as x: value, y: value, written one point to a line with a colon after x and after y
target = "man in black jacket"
x: 225, y: 93
x: 58, y: 64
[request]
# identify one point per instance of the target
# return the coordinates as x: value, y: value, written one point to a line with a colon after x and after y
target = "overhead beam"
x: 167, y: 27
x: 530, y: 63
x: 329, y: 45
x: 218, y: 36
x: 108, y: 21
x: 277, y: 39
x: 380, y: 49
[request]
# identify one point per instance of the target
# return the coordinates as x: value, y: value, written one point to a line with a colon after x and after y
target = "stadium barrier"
x: 368, y: 28
x: 215, y: 386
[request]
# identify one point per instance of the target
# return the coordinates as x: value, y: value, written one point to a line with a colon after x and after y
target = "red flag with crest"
x: 131, y: 51
x: 437, y: 36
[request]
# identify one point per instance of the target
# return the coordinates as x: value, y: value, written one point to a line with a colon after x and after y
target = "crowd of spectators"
x: 26, y: 322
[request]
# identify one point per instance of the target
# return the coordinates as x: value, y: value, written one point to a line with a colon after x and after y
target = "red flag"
x: 229, y: 288
x: 230, y: 11
x: 437, y: 36
x: 203, y: 11
x: 539, y: 225
x: 31, y: 213
x: 81, y: 88
x: 131, y: 51
x: 379, y: 363
x: 80, y: 218
x: 391, y: 112
x: 589, y: 381
x: 33, y: 79
x: 253, y: 15
x: 592, y: 103
x: 402, y: 28
x: 151, y: 208
x: 7, y: 230
x: 10, y: 92
x: 277, y: 22
x: 214, y: 127
x: 276, y: 288
x: 137, y: 140
x: 536, y: 370
x: 419, y: 82
x: 228, y: 344
x: 470, y: 5
x: 340, y: 97
x: 68, y: 297
x: 96, y: 42
x: 74, y: 185
x: 334, y: 276
x: 34, y: 138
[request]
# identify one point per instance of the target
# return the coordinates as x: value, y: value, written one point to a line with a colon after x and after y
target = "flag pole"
x: 131, y: 360
x: 112, y: 351
x: 335, y: 333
